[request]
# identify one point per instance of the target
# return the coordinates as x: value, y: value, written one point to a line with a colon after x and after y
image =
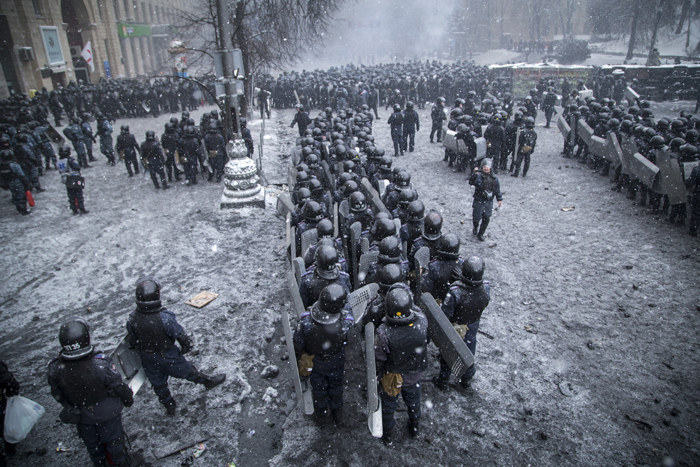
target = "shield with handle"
x: 422, y: 258
x: 299, y: 268
x: 374, y: 404
x: 365, y: 261
x: 563, y: 126
x: 360, y: 298
x: 443, y: 334
x: 643, y: 169
x: 353, y: 246
x: 585, y: 131
x: 670, y: 180
x: 128, y: 363
x: 302, y: 388
x: 297, y: 303
x: 284, y: 204
x: 308, y: 239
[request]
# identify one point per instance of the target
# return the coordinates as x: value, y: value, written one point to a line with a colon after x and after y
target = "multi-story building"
x: 41, y: 40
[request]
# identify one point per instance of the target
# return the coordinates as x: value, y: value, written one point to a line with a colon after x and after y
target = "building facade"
x: 41, y: 40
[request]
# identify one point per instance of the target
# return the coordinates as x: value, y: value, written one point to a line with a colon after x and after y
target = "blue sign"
x: 108, y: 71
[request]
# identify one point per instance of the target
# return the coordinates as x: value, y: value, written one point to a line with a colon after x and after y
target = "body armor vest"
x: 149, y: 332
x: 408, y: 346
x: 326, y: 340
x: 79, y: 382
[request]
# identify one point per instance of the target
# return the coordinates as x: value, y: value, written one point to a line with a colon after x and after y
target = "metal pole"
x: 231, y: 99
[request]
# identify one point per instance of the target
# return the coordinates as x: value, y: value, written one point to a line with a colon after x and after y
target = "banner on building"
x: 52, y: 45
x: 87, y: 56
x: 126, y: 30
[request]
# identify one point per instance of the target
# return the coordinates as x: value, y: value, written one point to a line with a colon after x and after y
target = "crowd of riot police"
x: 27, y: 139
x: 356, y: 225
x: 674, y: 141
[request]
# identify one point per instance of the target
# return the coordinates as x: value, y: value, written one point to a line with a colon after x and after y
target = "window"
x: 116, y: 9
x: 37, y: 10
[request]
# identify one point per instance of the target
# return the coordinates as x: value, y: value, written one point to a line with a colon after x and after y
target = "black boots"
x: 413, y: 428
x: 170, y: 406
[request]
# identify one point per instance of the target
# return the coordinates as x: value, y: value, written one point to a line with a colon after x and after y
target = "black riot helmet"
x: 529, y: 122
x: 331, y: 302
x: 409, y: 105
x: 389, y: 275
x: 383, y: 228
x: 169, y: 127
x: 432, y: 225
x: 190, y: 131
x: 406, y: 196
x: 397, y: 108
x: 349, y: 188
x: 398, y: 304
x: 357, y: 202
x: 74, y: 337
x: 316, y: 186
x: 473, y: 271
x: 325, y: 229
x: 676, y: 143
x: 174, y: 120
x: 125, y: 129
x: 657, y: 142
x: 326, y: 262
x: 402, y: 179
x: 448, y: 248
x: 415, y: 211
x: 312, y: 211
x: 302, y: 195
x: 150, y: 135
x: 185, y: 115
x: 691, y: 136
x: 390, y: 250
x: 148, y: 292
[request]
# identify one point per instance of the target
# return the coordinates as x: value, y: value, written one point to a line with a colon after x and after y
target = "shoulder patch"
x: 344, y: 274
x: 307, y: 273
x: 306, y: 313
x: 101, y: 356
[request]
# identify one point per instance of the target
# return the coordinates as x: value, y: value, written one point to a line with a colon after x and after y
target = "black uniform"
x: 526, y: 146
x: 216, y: 150
x: 464, y: 304
x: 153, y: 153
x: 411, y: 124
x: 326, y: 343
x: 303, y: 120
x: 127, y: 147
x: 168, y: 141
x: 396, y: 122
x: 93, y: 395
x: 437, y: 115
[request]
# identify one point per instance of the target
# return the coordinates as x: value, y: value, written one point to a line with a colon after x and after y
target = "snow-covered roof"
x: 543, y: 66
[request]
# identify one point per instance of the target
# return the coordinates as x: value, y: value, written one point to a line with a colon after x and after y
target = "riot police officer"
x: 411, y: 124
x: 466, y: 300
x: 437, y: 116
x: 396, y: 122
x: 127, y: 148
x: 401, y: 351
x: 104, y: 131
x: 168, y: 141
x: 154, y: 330
x: 74, y: 133
x: 326, y: 271
x: 88, y: 137
x: 319, y: 341
x: 437, y: 277
x: 216, y: 150
x: 188, y: 149
x: 487, y: 188
x: 13, y: 178
x: 90, y: 389
x: 526, y: 146
x: 153, y: 154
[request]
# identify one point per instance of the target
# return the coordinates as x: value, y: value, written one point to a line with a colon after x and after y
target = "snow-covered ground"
x: 593, y: 359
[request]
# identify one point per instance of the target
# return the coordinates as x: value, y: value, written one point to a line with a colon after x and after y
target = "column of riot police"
x: 366, y: 256
x: 655, y: 162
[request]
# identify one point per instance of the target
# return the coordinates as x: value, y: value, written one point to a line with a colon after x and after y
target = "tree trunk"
x: 659, y: 7
x: 684, y: 13
x: 633, y: 33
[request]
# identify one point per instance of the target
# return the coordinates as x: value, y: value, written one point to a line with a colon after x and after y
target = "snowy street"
x: 593, y: 356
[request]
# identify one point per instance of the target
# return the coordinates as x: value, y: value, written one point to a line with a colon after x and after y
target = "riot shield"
x: 643, y: 169
x: 326, y: 150
x: 563, y: 126
x: 573, y: 126
x: 54, y: 135
x: 302, y: 388
x: 382, y: 186
x: 397, y: 224
x: 480, y: 148
x: 330, y: 179
x: 449, y: 140
x: 670, y: 180
x: 335, y: 220
x: 688, y: 168
x: 353, y: 246
x: 613, y: 151
x: 284, y: 204
x: 365, y: 261
x: 422, y: 258
x: 308, y: 239
x: 597, y: 146
x: 374, y: 404
x: 288, y: 228
x: 360, y: 298
x: 443, y: 334
x: 128, y: 363
x: 372, y: 196
x: 299, y: 268
x: 629, y: 148
x: 585, y: 132
x: 292, y: 178
x: 297, y: 303
x: 293, y: 243
x: 631, y: 96
x: 296, y: 155
x: 583, y: 94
